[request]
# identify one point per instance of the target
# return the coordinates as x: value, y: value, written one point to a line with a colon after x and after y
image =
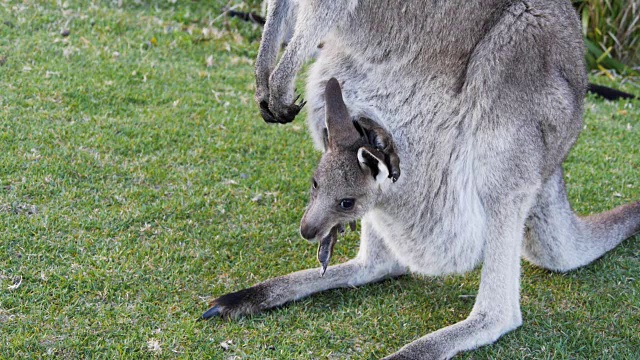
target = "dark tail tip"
x: 609, y: 93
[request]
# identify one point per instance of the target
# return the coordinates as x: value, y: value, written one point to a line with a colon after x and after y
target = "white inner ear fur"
x: 383, y: 171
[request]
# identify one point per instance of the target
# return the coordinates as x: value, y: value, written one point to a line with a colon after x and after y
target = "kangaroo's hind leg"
x: 374, y: 262
x: 559, y: 240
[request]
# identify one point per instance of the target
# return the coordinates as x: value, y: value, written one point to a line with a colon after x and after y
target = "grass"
x: 137, y: 181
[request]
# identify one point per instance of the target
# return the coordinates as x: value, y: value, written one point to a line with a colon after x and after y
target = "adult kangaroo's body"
x: 483, y: 100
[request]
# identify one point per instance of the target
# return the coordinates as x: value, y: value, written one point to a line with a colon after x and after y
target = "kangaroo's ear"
x: 373, y: 160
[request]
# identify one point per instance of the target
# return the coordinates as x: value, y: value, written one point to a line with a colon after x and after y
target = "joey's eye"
x: 314, y: 184
x: 347, y: 204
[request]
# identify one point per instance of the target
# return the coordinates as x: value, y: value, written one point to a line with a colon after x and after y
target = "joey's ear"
x: 373, y: 160
x: 380, y: 139
x: 339, y: 123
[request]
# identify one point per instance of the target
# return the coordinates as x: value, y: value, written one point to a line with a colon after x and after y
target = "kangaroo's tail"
x: 609, y: 93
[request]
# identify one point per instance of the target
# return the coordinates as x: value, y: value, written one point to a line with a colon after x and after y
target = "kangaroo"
x: 472, y: 118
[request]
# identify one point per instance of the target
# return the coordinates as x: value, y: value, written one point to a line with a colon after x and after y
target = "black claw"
x: 214, y: 311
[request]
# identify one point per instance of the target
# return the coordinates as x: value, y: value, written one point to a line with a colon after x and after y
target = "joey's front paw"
x: 244, y: 302
x: 276, y: 112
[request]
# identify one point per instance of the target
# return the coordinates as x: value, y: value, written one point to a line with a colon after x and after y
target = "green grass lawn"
x: 138, y: 181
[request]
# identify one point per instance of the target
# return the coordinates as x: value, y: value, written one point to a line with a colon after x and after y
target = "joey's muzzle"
x: 311, y: 227
x: 308, y: 232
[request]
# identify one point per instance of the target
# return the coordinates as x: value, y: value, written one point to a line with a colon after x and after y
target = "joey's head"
x: 359, y: 158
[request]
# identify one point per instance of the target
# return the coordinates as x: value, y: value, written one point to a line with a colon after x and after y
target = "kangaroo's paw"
x: 244, y: 302
x: 281, y: 113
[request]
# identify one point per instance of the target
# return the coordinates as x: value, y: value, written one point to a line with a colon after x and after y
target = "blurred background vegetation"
x: 611, y: 30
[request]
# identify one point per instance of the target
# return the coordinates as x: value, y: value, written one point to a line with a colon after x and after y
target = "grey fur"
x: 483, y: 100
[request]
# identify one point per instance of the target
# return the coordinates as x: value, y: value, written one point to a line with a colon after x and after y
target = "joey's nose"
x: 308, y: 232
